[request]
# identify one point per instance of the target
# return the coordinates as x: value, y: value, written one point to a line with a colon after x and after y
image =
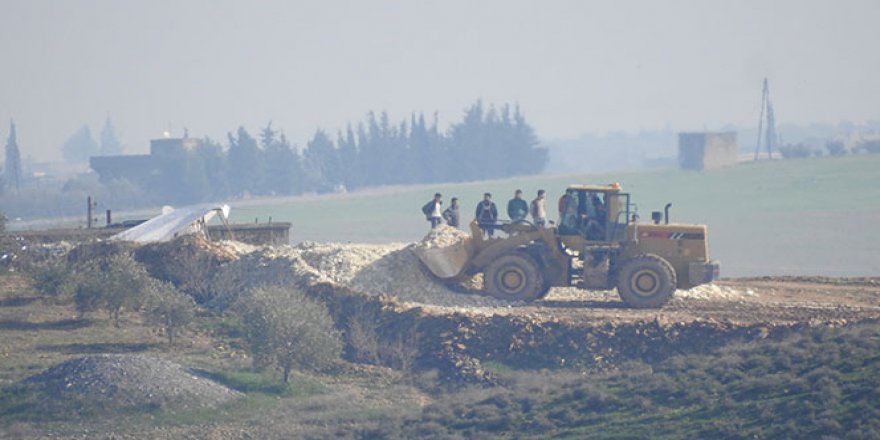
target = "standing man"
x: 432, y: 210
x: 451, y: 214
x: 487, y: 214
x: 563, y: 203
x: 517, y: 208
x: 568, y: 213
x: 539, y: 209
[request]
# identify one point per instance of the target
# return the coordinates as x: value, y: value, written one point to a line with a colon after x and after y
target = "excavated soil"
x: 394, y: 272
x: 391, y: 270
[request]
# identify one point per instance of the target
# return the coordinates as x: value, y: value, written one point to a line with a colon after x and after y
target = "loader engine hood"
x: 685, y: 241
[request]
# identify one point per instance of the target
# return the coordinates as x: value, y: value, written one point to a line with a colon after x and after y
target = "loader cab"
x: 595, y: 213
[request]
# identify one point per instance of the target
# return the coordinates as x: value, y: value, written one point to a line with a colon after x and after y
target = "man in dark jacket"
x: 433, y: 211
x: 451, y: 214
x: 487, y: 214
x: 517, y: 208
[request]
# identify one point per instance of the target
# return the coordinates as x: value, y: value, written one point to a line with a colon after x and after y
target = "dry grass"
x: 36, y: 334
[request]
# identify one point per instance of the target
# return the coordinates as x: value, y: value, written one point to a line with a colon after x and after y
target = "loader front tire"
x: 514, y: 277
x: 646, y: 282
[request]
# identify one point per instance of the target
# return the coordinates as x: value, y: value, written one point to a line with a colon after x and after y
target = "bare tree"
x: 403, y: 351
x: 362, y: 334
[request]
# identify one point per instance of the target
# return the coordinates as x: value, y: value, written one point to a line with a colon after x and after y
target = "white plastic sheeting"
x: 173, y: 223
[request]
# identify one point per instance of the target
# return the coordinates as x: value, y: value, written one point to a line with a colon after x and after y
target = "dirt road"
x: 817, y: 300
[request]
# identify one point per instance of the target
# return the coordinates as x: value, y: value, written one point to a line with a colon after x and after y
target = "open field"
x: 793, y: 217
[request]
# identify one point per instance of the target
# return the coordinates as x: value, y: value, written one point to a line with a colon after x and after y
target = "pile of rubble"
x: 391, y: 269
x: 129, y: 381
x: 442, y: 236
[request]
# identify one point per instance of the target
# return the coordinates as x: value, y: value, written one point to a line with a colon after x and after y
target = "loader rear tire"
x: 646, y: 282
x: 514, y: 277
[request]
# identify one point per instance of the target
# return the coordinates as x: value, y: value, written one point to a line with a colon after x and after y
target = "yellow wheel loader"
x: 599, y: 244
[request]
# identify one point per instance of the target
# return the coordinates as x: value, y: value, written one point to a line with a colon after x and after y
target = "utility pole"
x: 765, y: 103
x: 771, y: 130
x: 91, y: 220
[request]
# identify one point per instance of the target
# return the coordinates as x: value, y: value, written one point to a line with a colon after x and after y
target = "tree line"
x: 487, y: 143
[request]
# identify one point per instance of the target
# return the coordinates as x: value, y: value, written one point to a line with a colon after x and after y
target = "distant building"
x: 706, y: 151
x: 142, y: 168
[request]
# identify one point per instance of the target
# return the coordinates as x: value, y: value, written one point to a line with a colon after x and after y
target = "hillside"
x: 788, y: 372
x: 820, y: 384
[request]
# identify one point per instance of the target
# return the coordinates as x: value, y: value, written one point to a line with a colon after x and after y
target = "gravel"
x: 129, y: 380
x: 442, y: 236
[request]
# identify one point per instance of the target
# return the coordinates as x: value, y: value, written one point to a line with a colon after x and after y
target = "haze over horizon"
x: 574, y: 67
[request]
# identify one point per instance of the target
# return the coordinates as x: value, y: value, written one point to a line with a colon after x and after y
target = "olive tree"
x: 285, y: 328
x: 169, y: 309
x: 111, y: 284
x: 52, y: 277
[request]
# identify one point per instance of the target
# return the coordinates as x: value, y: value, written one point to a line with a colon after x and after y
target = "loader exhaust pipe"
x: 666, y: 212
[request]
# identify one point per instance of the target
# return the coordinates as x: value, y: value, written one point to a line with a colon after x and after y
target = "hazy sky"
x: 574, y: 66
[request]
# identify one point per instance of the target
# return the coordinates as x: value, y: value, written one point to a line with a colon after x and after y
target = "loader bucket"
x: 447, y: 262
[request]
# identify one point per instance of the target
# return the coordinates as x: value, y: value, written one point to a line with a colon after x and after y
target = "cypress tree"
x: 110, y: 145
x: 13, y: 159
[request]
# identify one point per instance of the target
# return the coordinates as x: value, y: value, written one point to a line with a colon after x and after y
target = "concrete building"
x: 706, y: 151
x: 140, y: 169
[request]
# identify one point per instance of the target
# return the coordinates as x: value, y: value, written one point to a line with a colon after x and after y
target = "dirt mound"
x: 237, y: 247
x: 185, y: 248
x: 128, y: 381
x: 374, y: 270
x: 190, y: 262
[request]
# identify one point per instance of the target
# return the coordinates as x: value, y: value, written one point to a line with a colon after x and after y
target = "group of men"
x: 487, y: 213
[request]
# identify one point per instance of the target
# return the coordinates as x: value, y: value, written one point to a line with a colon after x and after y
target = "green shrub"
x: 285, y: 328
